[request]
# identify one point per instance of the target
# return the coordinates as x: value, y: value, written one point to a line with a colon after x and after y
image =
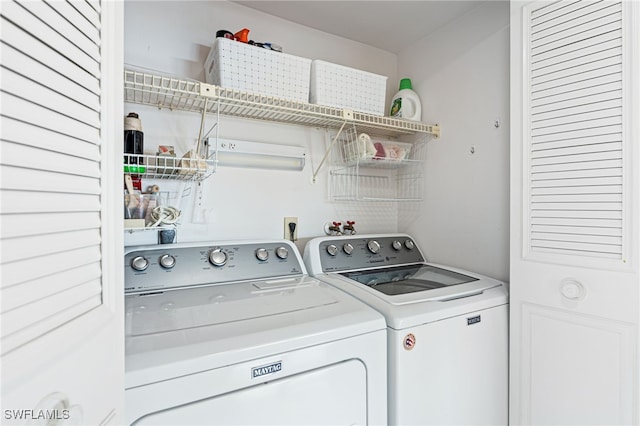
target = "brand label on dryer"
x: 265, y: 370
x: 473, y: 320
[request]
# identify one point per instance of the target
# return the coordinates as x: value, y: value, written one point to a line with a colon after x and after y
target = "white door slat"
x: 598, y: 181
x: 551, y: 97
x: 560, y: 174
x: 33, y: 158
x: 22, y: 110
x: 588, y: 140
x: 569, y: 127
x: 579, y: 230
x: 47, y: 223
x: 571, y: 160
x: 577, y: 71
x: 572, y: 221
x: 62, y: 26
x: 90, y: 10
x: 29, y: 247
x: 578, y: 134
x: 583, y: 165
x: 36, y: 180
x: 577, y: 47
x: 552, y: 10
x: 32, y: 291
x: 17, y: 14
x: 580, y: 247
x: 79, y: 21
x: 575, y: 206
x: 591, y: 15
x: 26, y: 134
x: 31, y: 202
x: 48, y: 98
x: 578, y: 63
x: 17, y: 38
x: 578, y: 238
x: 570, y: 111
x: 35, y: 71
x: 601, y: 151
x: 566, y: 40
x: 65, y: 314
x: 614, y: 190
x: 574, y: 80
x: 586, y: 54
x: 578, y: 214
x: 553, y: 119
x: 567, y: 90
x: 16, y: 273
x: 39, y: 311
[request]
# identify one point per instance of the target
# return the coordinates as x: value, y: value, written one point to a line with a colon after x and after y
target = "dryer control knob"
x: 332, y: 249
x: 262, y: 254
x: 397, y: 245
x: 139, y: 263
x: 282, y: 252
x: 347, y: 248
x: 410, y: 245
x: 373, y: 246
x: 167, y: 261
x: 218, y: 258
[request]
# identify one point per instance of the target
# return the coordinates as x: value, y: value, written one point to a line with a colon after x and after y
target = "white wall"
x: 174, y: 37
x: 461, y: 74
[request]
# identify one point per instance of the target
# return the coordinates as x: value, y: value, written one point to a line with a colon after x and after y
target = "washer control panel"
x: 156, y: 268
x: 344, y: 253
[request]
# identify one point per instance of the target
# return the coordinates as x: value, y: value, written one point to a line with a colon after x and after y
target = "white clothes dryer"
x: 238, y: 334
x: 447, y: 328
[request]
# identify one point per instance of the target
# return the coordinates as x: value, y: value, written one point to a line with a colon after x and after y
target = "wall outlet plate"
x: 287, y: 231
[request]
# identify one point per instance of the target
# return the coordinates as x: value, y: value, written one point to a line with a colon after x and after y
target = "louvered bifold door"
x: 50, y: 166
x: 576, y: 173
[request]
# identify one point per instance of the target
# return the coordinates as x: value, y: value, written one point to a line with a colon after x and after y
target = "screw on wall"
x: 472, y: 150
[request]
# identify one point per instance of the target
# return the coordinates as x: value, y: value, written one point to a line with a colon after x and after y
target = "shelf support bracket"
x: 326, y: 154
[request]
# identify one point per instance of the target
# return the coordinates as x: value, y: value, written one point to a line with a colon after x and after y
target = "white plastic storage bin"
x: 343, y: 87
x: 235, y: 65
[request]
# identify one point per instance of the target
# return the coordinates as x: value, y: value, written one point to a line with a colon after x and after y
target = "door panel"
x: 574, y: 213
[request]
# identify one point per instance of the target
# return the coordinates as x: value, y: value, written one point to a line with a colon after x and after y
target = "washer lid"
x: 159, y: 312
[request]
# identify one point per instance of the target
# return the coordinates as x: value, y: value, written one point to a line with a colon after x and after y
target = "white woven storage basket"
x: 235, y: 65
x: 343, y: 87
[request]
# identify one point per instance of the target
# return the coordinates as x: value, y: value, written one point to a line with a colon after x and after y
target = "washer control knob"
x: 409, y: 245
x: 167, y: 261
x: 139, y: 263
x: 347, y: 248
x: 217, y: 257
x: 373, y: 246
x: 282, y: 252
x: 262, y: 254
x: 332, y: 249
x: 397, y: 245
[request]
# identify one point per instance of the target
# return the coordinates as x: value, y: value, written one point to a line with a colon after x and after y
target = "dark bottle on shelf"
x: 133, y: 144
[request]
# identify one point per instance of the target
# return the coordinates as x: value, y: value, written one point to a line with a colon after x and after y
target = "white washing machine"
x: 238, y: 334
x: 447, y: 329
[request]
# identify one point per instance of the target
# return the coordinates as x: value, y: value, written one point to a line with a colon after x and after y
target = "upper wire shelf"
x: 188, y: 95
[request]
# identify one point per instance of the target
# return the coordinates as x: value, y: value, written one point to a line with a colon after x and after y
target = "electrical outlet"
x: 287, y: 230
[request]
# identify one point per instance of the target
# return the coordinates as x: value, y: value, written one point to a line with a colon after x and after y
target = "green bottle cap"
x: 405, y: 83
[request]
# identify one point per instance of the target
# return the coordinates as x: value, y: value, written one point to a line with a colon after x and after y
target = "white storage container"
x: 343, y: 87
x: 235, y: 65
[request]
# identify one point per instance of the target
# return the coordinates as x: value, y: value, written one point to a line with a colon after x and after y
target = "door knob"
x: 572, y: 289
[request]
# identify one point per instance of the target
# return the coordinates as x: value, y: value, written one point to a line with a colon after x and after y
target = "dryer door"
x: 332, y: 395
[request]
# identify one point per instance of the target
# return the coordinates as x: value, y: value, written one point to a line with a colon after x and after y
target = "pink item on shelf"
x: 380, y: 151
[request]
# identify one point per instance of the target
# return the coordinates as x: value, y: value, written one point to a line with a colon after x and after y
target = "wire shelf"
x: 188, y: 95
x: 164, y: 167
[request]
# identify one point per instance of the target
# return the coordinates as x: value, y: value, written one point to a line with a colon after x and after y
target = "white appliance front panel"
x: 451, y: 372
x: 340, y: 382
x: 332, y: 395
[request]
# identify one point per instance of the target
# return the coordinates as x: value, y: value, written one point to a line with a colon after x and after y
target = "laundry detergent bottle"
x: 406, y: 103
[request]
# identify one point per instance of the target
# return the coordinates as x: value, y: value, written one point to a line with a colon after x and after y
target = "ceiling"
x: 388, y: 25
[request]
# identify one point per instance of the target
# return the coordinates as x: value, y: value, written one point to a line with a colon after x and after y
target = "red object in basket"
x: 242, y: 35
x: 379, y: 151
